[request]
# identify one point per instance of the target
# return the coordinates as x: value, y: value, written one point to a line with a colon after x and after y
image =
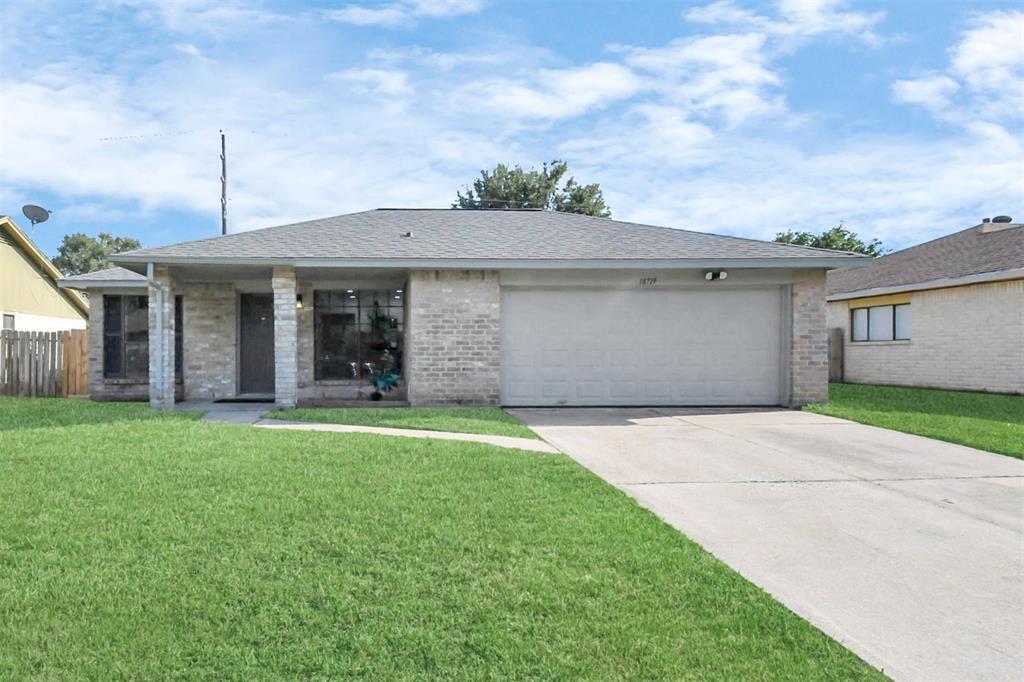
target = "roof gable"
x: 21, y: 242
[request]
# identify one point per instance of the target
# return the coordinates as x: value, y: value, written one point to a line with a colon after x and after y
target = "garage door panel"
x: 592, y: 347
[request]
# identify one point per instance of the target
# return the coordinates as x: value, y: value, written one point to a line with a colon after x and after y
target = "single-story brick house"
x: 945, y: 314
x: 511, y: 307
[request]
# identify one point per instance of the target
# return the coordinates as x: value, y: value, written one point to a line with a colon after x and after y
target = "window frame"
x: 363, y: 303
x: 9, y: 317
x: 867, y: 325
x: 120, y: 334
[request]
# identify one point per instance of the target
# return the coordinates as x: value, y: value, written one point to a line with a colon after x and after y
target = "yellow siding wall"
x: 24, y: 288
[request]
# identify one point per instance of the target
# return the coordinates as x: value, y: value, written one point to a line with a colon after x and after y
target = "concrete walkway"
x: 907, y: 550
x: 226, y: 413
x: 501, y: 441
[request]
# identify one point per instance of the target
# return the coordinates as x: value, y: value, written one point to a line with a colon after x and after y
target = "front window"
x: 880, y: 323
x: 126, y: 337
x: 358, y: 331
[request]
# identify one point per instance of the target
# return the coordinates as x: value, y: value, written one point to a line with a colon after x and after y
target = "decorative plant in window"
x: 382, y: 377
x: 380, y: 322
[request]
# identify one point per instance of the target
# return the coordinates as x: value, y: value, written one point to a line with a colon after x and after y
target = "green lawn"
x: 143, y: 545
x: 980, y: 420
x: 485, y: 420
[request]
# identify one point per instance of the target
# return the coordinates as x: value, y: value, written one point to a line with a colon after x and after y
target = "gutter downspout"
x: 159, y: 312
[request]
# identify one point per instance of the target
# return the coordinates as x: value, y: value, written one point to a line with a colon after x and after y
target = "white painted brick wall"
x: 969, y: 338
x: 453, y: 337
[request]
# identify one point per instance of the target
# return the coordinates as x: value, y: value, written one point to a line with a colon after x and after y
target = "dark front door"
x: 256, y: 344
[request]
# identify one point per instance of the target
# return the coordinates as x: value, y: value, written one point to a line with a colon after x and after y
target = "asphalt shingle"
x: 465, y: 234
x: 990, y: 247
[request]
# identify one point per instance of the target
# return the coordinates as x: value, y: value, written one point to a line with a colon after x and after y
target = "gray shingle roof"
x: 990, y: 247
x: 115, y: 274
x: 468, y: 235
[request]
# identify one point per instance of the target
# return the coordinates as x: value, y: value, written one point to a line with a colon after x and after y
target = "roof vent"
x: 1002, y: 219
x: 405, y: 234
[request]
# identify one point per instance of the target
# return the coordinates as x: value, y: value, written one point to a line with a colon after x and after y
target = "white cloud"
x: 552, y: 93
x: 398, y: 13
x: 726, y: 74
x: 386, y: 82
x: 990, y: 58
x: 986, y: 68
x: 932, y: 91
x: 796, y: 20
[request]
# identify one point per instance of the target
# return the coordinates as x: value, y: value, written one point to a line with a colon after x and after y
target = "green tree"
x: 513, y: 187
x: 838, y: 238
x: 79, y: 253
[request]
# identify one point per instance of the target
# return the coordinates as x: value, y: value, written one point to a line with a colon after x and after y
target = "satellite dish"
x: 36, y: 214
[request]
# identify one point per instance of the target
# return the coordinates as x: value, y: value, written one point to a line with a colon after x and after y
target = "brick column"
x: 285, y: 338
x: 161, y: 340
x: 808, y: 363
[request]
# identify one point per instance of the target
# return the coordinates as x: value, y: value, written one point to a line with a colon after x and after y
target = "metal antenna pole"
x: 223, y: 186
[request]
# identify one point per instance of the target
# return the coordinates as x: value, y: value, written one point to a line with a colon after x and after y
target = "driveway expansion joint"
x: 829, y: 480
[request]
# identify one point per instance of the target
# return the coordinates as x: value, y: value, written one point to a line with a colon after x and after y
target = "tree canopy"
x: 838, y: 238
x: 513, y: 187
x: 79, y: 253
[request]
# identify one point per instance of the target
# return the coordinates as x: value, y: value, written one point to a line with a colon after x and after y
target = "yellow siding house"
x: 30, y: 299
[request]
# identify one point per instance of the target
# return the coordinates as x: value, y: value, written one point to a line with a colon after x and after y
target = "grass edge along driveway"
x: 144, y: 545
x: 479, y: 420
x: 987, y: 421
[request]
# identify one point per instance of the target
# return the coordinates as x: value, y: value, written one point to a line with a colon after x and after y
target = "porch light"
x: 298, y: 301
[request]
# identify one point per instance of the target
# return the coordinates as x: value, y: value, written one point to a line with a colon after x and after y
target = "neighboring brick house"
x: 945, y: 314
x: 512, y: 307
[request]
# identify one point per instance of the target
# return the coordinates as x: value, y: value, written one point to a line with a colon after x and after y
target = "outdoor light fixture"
x: 298, y: 301
x: 712, y: 275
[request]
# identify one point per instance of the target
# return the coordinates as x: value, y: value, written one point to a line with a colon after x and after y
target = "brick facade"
x: 285, y: 338
x: 209, y: 340
x: 969, y: 337
x: 453, y: 337
x: 808, y: 362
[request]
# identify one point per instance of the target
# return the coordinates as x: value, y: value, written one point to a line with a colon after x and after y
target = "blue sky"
x: 902, y: 119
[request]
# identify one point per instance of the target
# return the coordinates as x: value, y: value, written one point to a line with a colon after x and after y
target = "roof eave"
x: 816, y: 262
x: 86, y: 284
x: 942, y: 283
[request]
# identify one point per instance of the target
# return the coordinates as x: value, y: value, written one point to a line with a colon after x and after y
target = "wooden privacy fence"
x: 43, y: 364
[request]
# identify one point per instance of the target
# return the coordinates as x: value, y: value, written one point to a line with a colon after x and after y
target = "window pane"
x: 860, y: 324
x: 880, y: 323
x: 112, y: 314
x: 113, y: 338
x: 136, y: 360
x: 337, y: 346
x: 903, y: 321
x: 9, y: 322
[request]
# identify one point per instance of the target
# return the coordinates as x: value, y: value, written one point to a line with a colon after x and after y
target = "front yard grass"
x: 481, y: 420
x: 137, y: 545
x: 980, y: 420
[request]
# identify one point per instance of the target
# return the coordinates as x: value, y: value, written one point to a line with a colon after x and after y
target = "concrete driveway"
x: 907, y: 550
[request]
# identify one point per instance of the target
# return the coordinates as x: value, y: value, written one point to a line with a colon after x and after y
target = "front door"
x: 256, y: 344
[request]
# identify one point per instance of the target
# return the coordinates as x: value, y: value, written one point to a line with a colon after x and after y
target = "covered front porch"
x: 257, y: 333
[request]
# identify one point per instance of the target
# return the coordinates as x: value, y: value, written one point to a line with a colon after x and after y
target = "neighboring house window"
x: 179, y: 346
x: 880, y: 323
x: 8, y: 322
x: 357, y: 330
x: 126, y: 337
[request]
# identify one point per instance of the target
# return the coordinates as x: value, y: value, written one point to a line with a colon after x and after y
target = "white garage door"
x: 613, y: 347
